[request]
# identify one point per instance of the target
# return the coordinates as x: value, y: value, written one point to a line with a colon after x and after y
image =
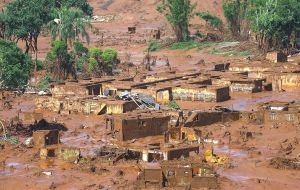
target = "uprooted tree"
x: 178, y: 13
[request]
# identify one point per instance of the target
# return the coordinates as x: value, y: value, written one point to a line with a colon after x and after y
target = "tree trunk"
x: 36, y: 52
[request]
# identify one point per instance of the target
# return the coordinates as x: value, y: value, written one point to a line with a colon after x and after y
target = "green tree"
x: 178, y: 13
x: 24, y: 21
x: 15, y: 66
x: 81, y: 4
x: 109, y: 55
x: 276, y: 22
x: 235, y: 13
x: 102, y: 62
x: 2, y: 24
x: 69, y: 24
x: 79, y: 49
x: 59, y: 62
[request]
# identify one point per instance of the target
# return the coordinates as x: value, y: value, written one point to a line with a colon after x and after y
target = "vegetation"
x: 173, y: 104
x: 153, y: 45
x: 178, y: 13
x: 59, y: 62
x: 276, y: 23
x: 109, y: 55
x: 235, y: 13
x: 79, y: 49
x: 69, y: 24
x: 230, y: 53
x: 15, y: 66
x: 191, y: 44
x: 211, y: 19
x: 44, y: 84
x: 23, y: 20
x: 80, y: 4
x: 101, y: 62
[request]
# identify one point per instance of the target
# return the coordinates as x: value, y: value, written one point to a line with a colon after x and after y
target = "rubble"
x: 285, y: 163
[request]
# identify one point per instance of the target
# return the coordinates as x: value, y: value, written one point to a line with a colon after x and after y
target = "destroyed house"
x: 46, y: 134
x: 289, y: 115
x: 116, y: 88
x: 43, y: 138
x: 31, y: 117
x: 164, y: 77
x: 87, y: 105
x: 200, y: 81
x: 253, y: 67
x: 160, y: 94
x: 180, y: 134
x: 276, y: 57
x: 136, y: 125
x: 79, y: 89
x: 241, y: 84
x: 275, y: 112
x: 164, y: 151
x: 246, y: 85
x: 201, y: 93
x: 177, y: 174
x: 202, y: 118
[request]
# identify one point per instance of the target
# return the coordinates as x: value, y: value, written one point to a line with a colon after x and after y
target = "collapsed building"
x: 280, y: 77
x: 104, y: 95
x: 186, y: 174
x: 46, y: 139
x: 136, y: 125
x: 274, y: 112
x: 202, y: 118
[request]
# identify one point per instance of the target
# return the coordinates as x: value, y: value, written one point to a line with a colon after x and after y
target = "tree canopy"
x: 24, y: 20
x: 80, y: 4
x: 178, y: 13
x: 58, y: 61
x: 275, y: 22
x: 15, y: 66
x: 68, y: 24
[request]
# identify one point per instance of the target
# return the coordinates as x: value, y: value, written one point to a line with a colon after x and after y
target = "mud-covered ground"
x: 249, y: 166
x: 21, y: 168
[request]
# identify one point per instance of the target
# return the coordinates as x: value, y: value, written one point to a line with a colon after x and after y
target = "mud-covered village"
x: 150, y: 94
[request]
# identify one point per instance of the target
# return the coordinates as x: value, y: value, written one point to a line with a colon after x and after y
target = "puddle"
x: 82, y: 141
x: 235, y: 177
x: 232, y: 152
x: 10, y: 168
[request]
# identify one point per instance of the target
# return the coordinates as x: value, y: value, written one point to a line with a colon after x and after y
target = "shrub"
x: 39, y: 65
x: 79, y: 48
x: 92, y: 64
x: 213, y: 20
x: 191, y: 44
x: 44, y: 84
x: 95, y: 52
x: 153, y: 45
x: 109, y: 55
